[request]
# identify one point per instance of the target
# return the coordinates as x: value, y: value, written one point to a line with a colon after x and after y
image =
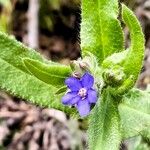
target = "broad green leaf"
x: 13, y: 51
x: 15, y: 79
x: 104, y: 127
x: 135, y: 114
x: 101, y: 33
x: 53, y: 74
x: 134, y: 59
x: 115, y: 59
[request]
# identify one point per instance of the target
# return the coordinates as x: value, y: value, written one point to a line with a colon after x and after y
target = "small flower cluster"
x: 81, y: 93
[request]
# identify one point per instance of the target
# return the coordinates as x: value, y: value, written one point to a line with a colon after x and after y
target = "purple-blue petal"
x: 83, y: 107
x: 75, y: 100
x: 92, y: 96
x: 73, y: 83
x: 87, y: 80
x: 66, y: 99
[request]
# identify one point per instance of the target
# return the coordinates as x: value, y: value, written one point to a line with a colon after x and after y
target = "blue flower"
x: 81, y: 94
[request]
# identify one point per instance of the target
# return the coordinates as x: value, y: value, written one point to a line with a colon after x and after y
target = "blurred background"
x: 52, y: 28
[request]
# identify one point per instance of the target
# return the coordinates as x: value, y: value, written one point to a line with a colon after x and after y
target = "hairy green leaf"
x: 130, y: 60
x: 53, y: 74
x: 115, y: 59
x: 13, y: 51
x: 104, y: 127
x: 15, y: 79
x: 135, y: 114
x: 134, y: 59
x: 101, y: 33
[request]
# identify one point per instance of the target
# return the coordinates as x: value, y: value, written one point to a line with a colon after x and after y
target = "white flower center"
x: 82, y: 93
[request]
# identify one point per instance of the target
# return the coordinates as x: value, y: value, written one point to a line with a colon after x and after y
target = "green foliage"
x: 61, y: 90
x: 115, y: 59
x: 53, y: 74
x: 12, y: 52
x: 108, y: 126
x: 136, y: 50
x: 121, y: 112
x: 135, y: 114
x: 15, y: 79
x: 104, y: 129
x: 108, y: 123
x: 101, y: 33
x: 128, y: 61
